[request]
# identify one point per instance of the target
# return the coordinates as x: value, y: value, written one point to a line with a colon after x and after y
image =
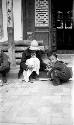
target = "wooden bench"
x: 4, y: 47
x: 20, y: 46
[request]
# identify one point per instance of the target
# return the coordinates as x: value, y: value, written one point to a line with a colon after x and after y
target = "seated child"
x: 59, y: 72
x: 33, y: 64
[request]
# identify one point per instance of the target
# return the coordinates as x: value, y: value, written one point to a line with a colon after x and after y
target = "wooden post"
x: 73, y: 13
x: 11, y: 46
x: 49, y: 24
x: 10, y: 29
x: 53, y: 27
x: 1, y: 20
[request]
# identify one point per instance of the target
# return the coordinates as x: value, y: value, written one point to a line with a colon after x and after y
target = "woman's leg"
x: 4, y: 79
x: 26, y: 75
x: 3, y: 73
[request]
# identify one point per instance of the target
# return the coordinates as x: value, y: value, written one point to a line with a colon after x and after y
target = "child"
x: 33, y: 64
x: 59, y: 72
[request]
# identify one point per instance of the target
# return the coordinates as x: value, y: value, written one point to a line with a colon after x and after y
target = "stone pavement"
x: 37, y: 103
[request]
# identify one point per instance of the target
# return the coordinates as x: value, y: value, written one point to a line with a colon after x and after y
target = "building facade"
x: 47, y: 20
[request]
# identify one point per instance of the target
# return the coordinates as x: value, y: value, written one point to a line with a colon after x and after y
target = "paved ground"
x: 37, y: 103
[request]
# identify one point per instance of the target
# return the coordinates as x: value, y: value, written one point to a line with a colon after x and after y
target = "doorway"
x: 64, y: 25
x: 28, y: 18
x: 36, y: 20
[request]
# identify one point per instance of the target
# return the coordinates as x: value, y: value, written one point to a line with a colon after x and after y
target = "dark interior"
x: 65, y: 34
x: 62, y: 15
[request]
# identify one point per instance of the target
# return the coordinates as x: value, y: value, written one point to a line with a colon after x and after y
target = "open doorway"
x: 28, y: 18
x: 64, y: 25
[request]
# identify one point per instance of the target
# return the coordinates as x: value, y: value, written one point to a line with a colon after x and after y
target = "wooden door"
x: 36, y: 20
x: 64, y: 26
x: 28, y: 17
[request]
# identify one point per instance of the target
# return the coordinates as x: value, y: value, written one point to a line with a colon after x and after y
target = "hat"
x: 34, y: 45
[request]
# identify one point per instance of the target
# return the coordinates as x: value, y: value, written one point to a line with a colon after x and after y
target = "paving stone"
x: 37, y: 103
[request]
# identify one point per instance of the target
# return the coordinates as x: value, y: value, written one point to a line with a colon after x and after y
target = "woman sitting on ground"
x: 27, y: 55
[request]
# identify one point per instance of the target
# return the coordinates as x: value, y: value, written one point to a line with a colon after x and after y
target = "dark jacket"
x: 4, y: 63
x: 63, y: 72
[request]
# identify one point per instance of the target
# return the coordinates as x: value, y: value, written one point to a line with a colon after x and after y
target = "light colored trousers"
x: 33, y: 62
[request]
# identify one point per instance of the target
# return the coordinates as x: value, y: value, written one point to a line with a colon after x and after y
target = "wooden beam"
x: 10, y: 29
x: 27, y: 42
x: 1, y: 20
x: 49, y: 3
x: 11, y: 47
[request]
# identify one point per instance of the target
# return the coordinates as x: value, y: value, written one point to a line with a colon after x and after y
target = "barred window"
x: 41, y: 13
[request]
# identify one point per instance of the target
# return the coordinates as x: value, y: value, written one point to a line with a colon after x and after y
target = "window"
x: 41, y: 13
x: 59, y: 19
